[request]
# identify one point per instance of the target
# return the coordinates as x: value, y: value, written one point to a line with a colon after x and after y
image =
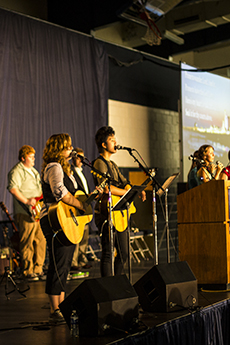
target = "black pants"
x: 59, y: 256
x: 120, y: 243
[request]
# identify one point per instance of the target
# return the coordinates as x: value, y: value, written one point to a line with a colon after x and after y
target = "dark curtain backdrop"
x: 52, y: 80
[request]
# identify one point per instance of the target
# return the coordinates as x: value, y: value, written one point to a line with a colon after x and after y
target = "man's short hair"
x: 102, y: 135
x: 24, y: 151
x: 78, y: 150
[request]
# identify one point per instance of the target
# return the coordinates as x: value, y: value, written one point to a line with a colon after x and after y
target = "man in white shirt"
x: 25, y: 185
x: 80, y: 261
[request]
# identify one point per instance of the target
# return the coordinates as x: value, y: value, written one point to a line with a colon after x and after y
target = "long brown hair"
x: 194, y: 162
x: 53, y: 151
x: 203, y: 150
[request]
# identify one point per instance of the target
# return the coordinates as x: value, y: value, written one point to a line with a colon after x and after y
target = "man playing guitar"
x: 25, y: 185
x: 106, y: 143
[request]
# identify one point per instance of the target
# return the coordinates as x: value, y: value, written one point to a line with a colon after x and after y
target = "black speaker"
x: 167, y: 287
x: 103, y: 305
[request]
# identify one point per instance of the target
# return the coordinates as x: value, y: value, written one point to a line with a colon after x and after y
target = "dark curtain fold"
x: 209, y: 326
x: 52, y: 80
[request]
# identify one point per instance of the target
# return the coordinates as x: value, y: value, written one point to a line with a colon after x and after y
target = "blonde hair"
x: 53, y: 151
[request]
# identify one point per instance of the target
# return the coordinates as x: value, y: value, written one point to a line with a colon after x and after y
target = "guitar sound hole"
x: 73, y: 216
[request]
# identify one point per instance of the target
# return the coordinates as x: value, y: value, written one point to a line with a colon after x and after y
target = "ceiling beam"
x: 192, y: 41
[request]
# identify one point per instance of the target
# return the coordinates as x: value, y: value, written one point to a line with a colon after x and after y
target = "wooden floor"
x: 24, y: 320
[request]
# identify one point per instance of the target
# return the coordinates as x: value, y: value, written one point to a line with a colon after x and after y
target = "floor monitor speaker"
x: 166, y: 287
x: 103, y: 305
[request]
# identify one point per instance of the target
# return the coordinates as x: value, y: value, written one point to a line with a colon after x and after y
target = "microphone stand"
x: 165, y: 186
x: 110, y: 223
x: 9, y: 269
x: 154, y: 184
x: 123, y: 204
x: 111, y: 230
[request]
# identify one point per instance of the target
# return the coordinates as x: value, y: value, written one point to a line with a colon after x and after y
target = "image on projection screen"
x: 205, y: 108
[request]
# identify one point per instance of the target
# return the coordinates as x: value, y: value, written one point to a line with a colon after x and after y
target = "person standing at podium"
x: 225, y: 173
x: 192, y: 174
x: 208, y: 170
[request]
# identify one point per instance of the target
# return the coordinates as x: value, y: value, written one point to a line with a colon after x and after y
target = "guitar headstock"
x: 103, y: 184
x: 152, y: 172
x: 96, y: 174
x: 3, y: 206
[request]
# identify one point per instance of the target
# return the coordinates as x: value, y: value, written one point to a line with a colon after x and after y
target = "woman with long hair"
x: 58, y: 184
x: 225, y: 173
x: 208, y: 170
x: 192, y: 174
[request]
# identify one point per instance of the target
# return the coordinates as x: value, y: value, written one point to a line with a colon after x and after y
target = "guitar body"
x: 33, y: 211
x: 119, y: 218
x: 68, y: 221
x: 36, y: 209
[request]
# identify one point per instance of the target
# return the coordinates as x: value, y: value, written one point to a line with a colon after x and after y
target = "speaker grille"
x: 102, y: 302
x: 167, y: 285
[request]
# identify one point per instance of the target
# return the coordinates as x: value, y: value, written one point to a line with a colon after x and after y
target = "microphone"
x: 76, y: 155
x: 119, y: 147
x: 192, y: 158
x: 219, y: 164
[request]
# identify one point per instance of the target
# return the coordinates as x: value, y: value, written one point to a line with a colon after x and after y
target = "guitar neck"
x: 2, y: 205
x: 95, y: 192
x: 146, y: 181
x: 92, y: 197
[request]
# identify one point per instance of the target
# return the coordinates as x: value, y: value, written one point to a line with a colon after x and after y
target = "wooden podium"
x: 203, y: 232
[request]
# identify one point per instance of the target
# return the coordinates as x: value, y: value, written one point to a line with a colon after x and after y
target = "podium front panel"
x: 208, y: 202
x: 206, y: 248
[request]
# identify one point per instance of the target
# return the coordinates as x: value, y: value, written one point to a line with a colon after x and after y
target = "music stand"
x: 124, y: 204
x: 160, y: 192
x: 167, y: 183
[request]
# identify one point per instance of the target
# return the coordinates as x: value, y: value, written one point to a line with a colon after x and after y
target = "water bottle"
x: 74, y: 324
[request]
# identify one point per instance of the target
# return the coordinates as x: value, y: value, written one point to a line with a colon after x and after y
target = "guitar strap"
x: 69, y: 184
x: 118, y: 183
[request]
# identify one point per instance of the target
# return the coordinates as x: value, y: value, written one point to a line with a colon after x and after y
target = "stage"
x: 24, y: 320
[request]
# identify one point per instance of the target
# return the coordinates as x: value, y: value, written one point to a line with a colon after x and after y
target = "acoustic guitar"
x: 68, y: 222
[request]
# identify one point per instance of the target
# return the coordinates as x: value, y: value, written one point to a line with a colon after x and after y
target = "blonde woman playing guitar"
x: 59, y: 187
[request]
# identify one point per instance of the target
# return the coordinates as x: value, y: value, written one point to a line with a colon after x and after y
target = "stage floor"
x: 24, y: 320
